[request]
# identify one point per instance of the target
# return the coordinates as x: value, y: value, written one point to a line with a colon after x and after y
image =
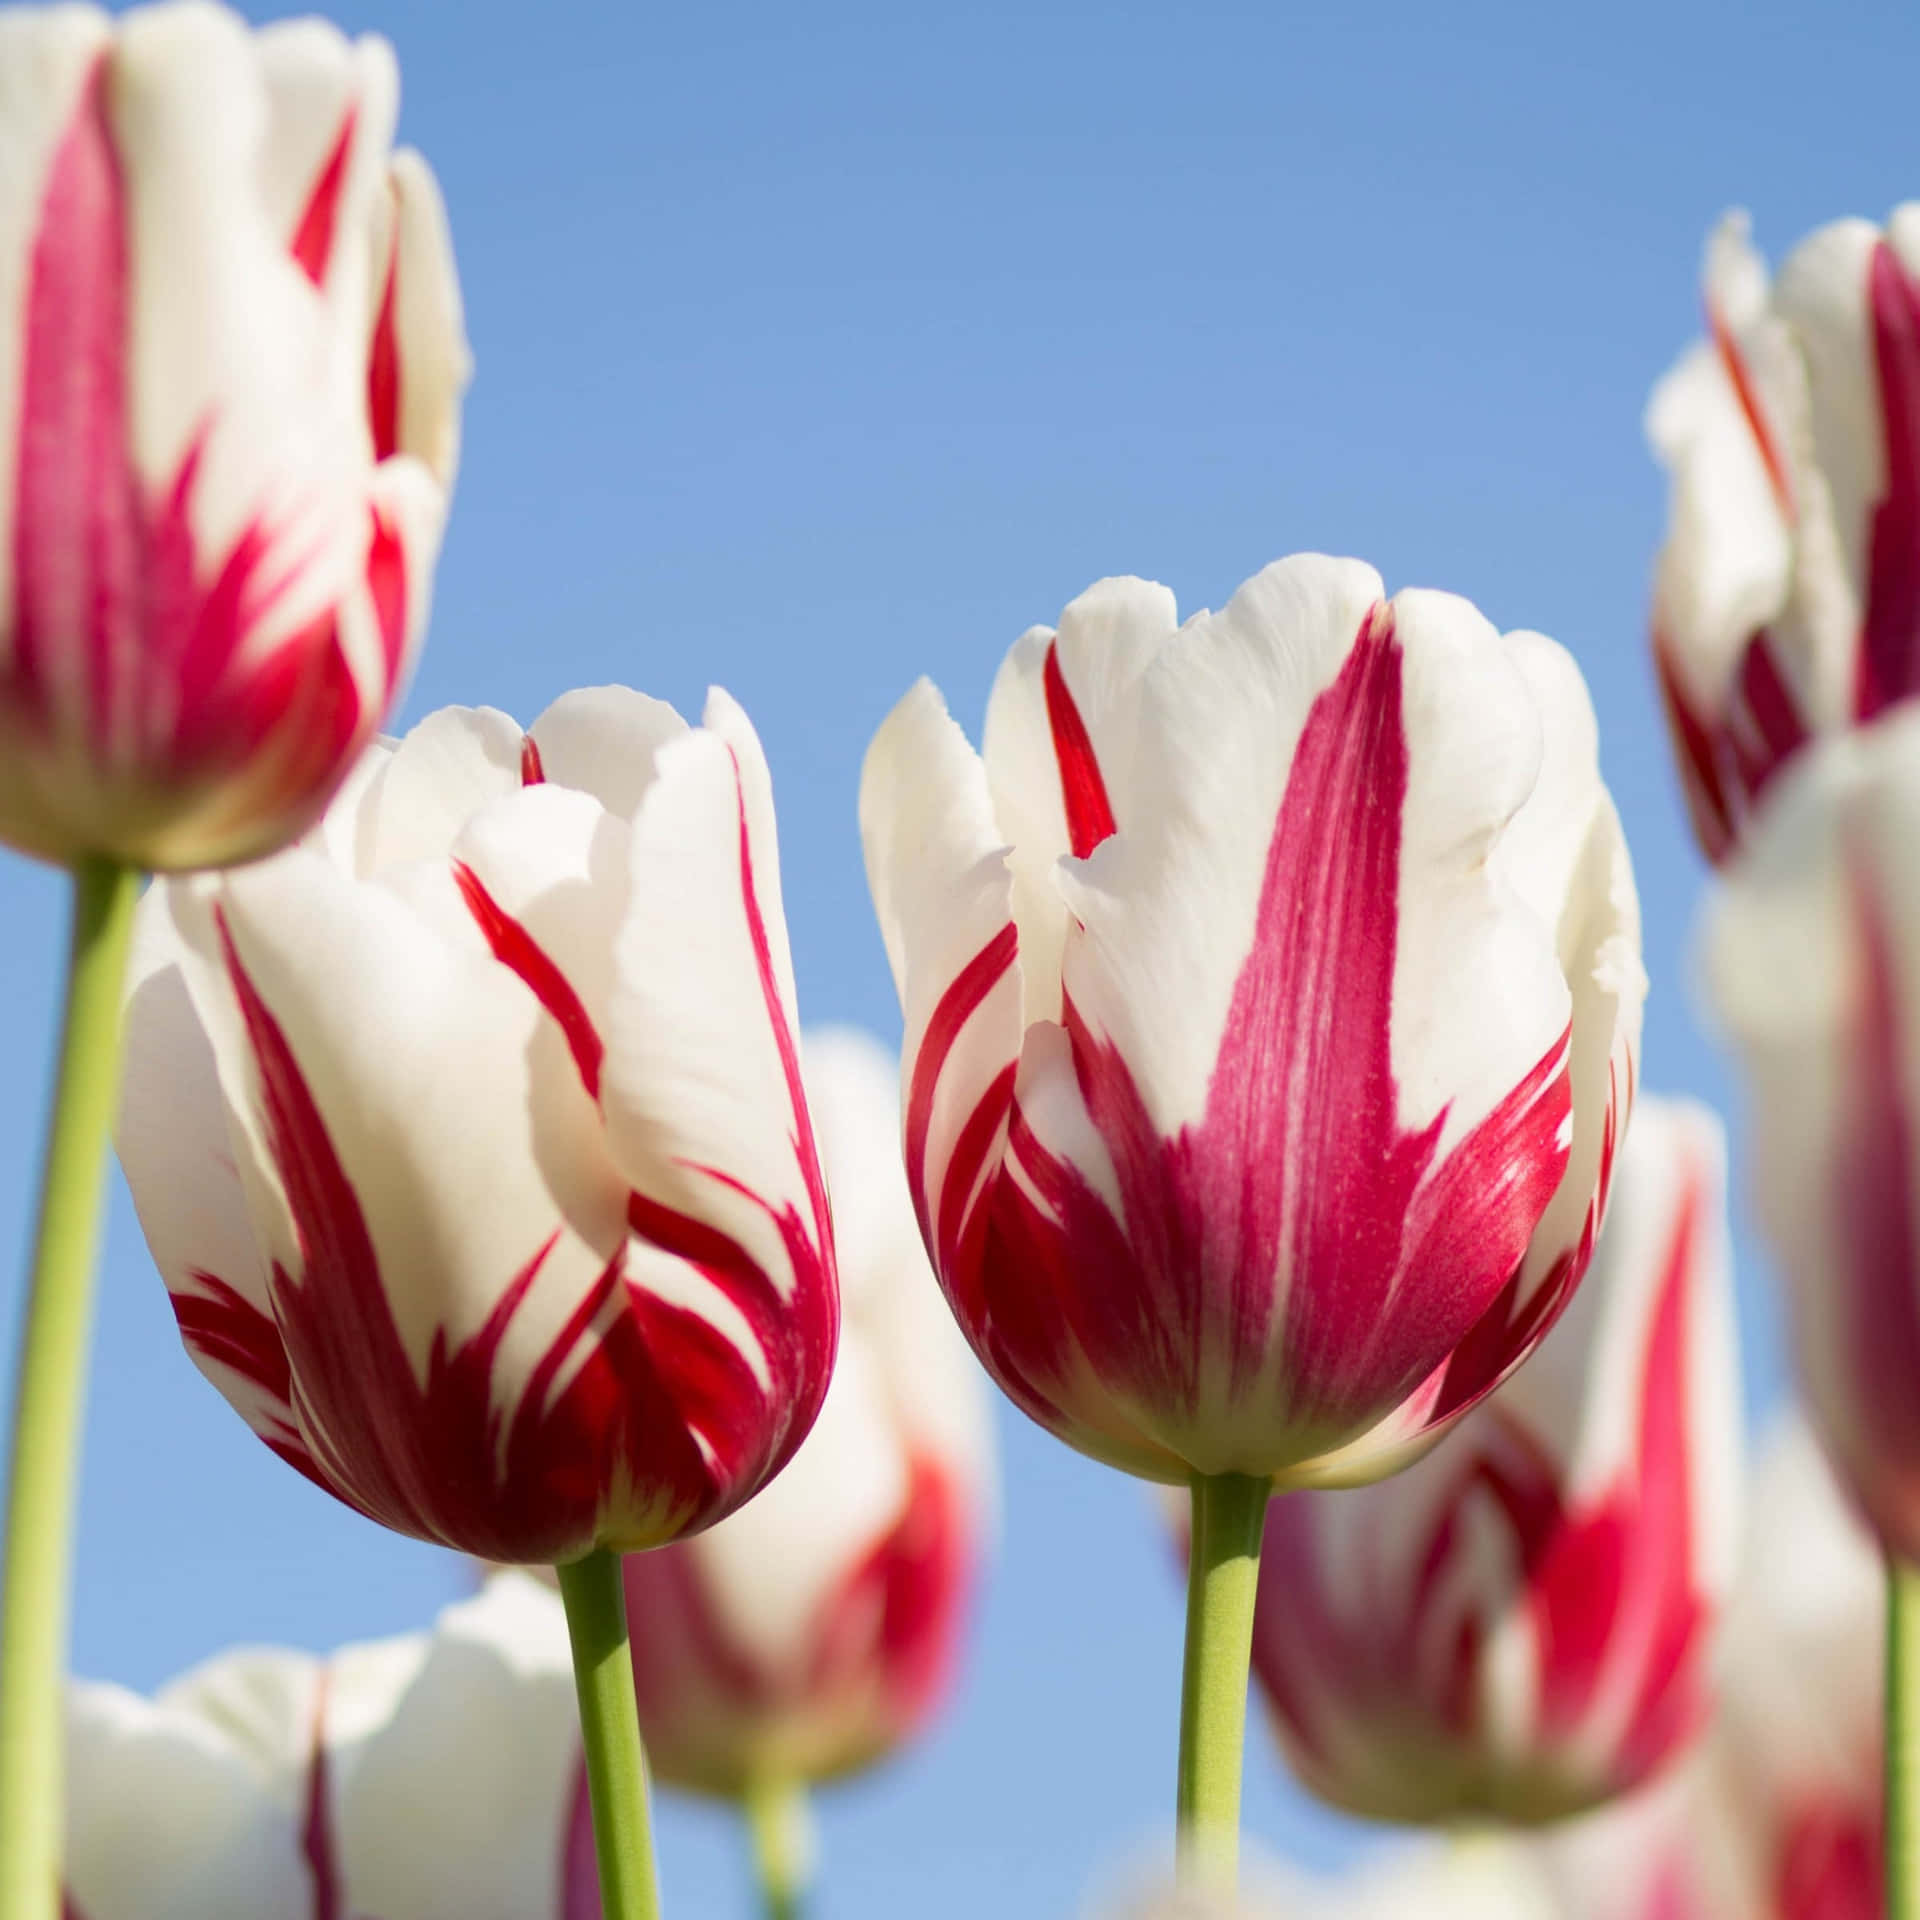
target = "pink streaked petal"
x: 312, y: 242
x: 1889, y: 668
x: 517, y: 950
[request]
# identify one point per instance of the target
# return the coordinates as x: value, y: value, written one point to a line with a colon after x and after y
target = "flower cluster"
x: 1267, y: 1123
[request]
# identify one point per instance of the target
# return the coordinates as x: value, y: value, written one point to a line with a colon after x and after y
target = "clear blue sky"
x: 822, y: 347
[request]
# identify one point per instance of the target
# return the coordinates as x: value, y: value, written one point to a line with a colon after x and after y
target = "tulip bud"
x: 746, y: 1676
x: 1190, y: 1220
x: 470, y: 1141
x: 1518, y: 1625
x: 1787, y: 602
x: 1813, y: 962
x: 417, y: 1779
x: 227, y: 429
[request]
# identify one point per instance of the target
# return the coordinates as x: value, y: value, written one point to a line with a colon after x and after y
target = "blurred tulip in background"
x: 229, y: 429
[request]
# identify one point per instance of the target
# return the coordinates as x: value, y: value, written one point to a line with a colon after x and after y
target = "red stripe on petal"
x: 317, y: 1845
x: 1696, y: 749
x: 387, y: 586
x: 1083, y: 791
x: 383, y: 361
x: 1890, y: 638
x: 533, y: 771
x: 517, y: 950
x: 1875, y: 1341
x: 955, y: 1007
x: 312, y: 242
x: 1741, y: 377
x: 1828, y: 1864
x: 77, y: 511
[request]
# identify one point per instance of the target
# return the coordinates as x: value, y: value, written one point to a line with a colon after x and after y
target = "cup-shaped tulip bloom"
x: 1813, y: 963
x: 1518, y: 1625
x: 1787, y: 601
x: 470, y: 1140
x: 1272, y: 991
x: 434, y: 1777
x: 228, y: 421
x: 749, y: 1678
x: 1777, y: 1814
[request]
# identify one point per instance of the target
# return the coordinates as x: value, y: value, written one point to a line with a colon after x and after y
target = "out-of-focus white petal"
x: 453, y: 1803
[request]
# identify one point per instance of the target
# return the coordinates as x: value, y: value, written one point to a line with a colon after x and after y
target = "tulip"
x: 1813, y: 963
x: 1518, y: 1626
x: 431, y: 1777
x: 752, y: 1685
x: 1192, y: 1224
x: 470, y: 1141
x: 237, y: 361
x: 229, y: 422
x: 1787, y: 601
x: 1777, y: 1816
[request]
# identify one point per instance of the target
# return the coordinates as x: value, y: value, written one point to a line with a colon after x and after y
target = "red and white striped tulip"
x: 434, y: 1777
x: 1787, y: 602
x: 750, y: 1676
x: 470, y: 1140
x: 1189, y: 1220
x: 231, y: 360
x: 1813, y: 962
x: 1518, y: 1625
x: 1777, y: 1817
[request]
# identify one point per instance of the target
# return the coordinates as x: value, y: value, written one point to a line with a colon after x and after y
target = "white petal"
x: 184, y: 1806
x: 440, y: 775
x: 937, y: 870
x: 452, y: 1803
x: 1822, y: 294
x: 227, y: 337
x: 606, y: 741
x: 700, y: 1111
x: 1105, y: 639
x: 432, y: 361
x: 173, y: 1142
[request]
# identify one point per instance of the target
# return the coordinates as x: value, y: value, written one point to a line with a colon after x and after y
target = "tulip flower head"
x: 1192, y: 1221
x: 748, y: 1677
x: 469, y: 1136
x: 228, y: 425
x: 434, y: 1777
x: 1776, y: 1816
x: 1518, y: 1625
x: 1787, y: 602
x: 1813, y: 963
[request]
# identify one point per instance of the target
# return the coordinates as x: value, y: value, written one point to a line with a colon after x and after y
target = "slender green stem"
x: 781, y: 1823
x: 1902, y: 1818
x: 50, y: 1394
x: 1223, y: 1569
x: 610, y: 1730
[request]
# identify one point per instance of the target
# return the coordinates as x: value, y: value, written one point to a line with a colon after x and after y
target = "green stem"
x: 1223, y: 1569
x: 50, y: 1393
x: 1902, y: 1817
x: 610, y: 1730
x: 781, y: 1823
